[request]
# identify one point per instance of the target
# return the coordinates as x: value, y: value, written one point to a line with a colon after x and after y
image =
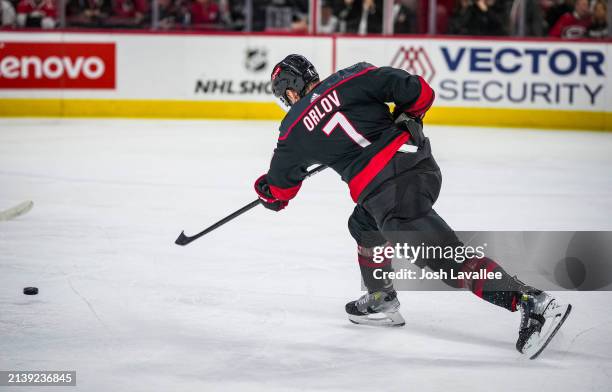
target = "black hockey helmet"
x: 295, y: 72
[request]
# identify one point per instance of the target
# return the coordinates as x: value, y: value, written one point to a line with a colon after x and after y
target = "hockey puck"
x: 30, y: 290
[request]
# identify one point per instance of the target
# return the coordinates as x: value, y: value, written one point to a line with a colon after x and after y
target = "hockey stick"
x: 184, y: 239
x: 16, y: 211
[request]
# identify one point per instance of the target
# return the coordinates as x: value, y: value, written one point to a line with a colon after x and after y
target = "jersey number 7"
x: 340, y: 119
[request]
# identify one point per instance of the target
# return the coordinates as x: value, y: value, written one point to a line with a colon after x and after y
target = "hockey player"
x: 344, y: 122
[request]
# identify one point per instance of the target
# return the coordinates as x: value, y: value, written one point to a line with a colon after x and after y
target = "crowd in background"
x: 556, y: 18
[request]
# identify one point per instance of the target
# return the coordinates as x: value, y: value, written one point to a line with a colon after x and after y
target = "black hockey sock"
x: 373, y: 272
x: 504, y: 292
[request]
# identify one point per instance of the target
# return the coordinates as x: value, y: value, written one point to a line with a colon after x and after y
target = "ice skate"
x: 541, y: 317
x: 379, y: 308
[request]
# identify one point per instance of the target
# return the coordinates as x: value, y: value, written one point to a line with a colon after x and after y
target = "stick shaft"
x: 184, y: 240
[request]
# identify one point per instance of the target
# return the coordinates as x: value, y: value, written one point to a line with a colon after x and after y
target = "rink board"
x: 138, y: 75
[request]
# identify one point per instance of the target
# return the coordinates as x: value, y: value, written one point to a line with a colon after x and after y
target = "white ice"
x: 258, y: 305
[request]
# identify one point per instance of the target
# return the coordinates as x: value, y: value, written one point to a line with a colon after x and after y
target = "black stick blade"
x: 182, y: 239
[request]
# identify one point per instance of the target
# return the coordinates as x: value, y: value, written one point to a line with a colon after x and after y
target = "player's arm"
x: 283, y: 180
x: 411, y: 94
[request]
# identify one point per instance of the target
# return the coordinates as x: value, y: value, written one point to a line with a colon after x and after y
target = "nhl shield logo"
x: 256, y: 59
x: 414, y: 60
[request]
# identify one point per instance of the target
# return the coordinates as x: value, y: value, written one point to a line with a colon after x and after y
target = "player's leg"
x: 403, y: 207
x: 432, y: 230
x: 541, y: 314
x: 403, y: 210
x: 379, y: 306
x: 363, y: 229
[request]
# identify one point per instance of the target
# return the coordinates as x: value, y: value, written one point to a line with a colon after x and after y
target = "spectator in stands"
x: 599, y: 23
x: 487, y: 18
x: 299, y: 22
x: 554, y: 9
x: 88, y: 13
x: 225, y: 17
x: 443, y: 11
x: 404, y: 17
x: 458, y: 23
x: 481, y: 17
x: 236, y: 14
x: 573, y: 24
x: 127, y: 13
x: 361, y: 16
x: 329, y: 22
x: 168, y: 15
x: 534, y: 20
x: 280, y: 15
x: 7, y: 14
x: 204, y: 13
x: 36, y: 13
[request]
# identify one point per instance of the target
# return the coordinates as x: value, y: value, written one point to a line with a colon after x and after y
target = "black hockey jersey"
x: 345, y: 123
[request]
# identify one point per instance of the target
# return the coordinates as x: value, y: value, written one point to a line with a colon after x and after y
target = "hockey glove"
x: 265, y: 195
x: 414, y: 126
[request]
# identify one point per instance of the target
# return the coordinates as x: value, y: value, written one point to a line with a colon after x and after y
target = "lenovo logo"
x: 36, y: 65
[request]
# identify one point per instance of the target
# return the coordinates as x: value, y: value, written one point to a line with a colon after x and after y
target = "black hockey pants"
x: 404, y: 205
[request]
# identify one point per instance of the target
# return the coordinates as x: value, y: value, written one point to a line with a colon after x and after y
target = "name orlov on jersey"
x: 321, y: 109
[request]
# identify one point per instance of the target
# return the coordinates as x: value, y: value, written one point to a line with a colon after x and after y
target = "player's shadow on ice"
x: 353, y: 357
x: 477, y: 336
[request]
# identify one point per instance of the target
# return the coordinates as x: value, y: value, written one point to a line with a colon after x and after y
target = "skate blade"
x: 554, y: 321
x: 391, y: 319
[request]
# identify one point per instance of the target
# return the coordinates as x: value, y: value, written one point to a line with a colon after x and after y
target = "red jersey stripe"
x: 358, y: 183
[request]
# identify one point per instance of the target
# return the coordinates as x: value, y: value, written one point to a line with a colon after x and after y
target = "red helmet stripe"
x: 276, y: 72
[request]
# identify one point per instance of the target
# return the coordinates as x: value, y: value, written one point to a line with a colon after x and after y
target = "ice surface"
x: 259, y: 304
